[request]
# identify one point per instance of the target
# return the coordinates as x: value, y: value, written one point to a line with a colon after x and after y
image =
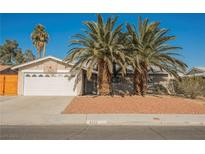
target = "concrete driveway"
x: 28, y: 110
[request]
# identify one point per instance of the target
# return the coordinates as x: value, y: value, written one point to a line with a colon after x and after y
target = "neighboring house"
x: 196, y: 71
x: 50, y: 76
x: 8, y: 80
x: 6, y: 69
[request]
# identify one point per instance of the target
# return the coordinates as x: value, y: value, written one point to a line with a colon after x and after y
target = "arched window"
x: 34, y: 75
x: 40, y: 75
x: 28, y: 75
x: 47, y: 75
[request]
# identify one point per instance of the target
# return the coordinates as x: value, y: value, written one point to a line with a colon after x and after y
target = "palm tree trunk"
x: 39, y: 54
x: 141, y: 85
x: 104, y: 79
x: 144, y: 81
x: 44, y: 50
x: 136, y: 79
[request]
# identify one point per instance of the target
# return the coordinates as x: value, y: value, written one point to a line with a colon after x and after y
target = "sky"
x: 189, y: 29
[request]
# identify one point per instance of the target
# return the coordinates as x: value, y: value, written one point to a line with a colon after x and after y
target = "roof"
x: 198, y: 74
x: 4, y: 67
x: 200, y: 68
x: 155, y: 70
x: 38, y: 60
x: 196, y: 70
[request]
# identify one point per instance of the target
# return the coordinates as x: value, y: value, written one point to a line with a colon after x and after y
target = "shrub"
x: 160, y: 89
x: 190, y: 87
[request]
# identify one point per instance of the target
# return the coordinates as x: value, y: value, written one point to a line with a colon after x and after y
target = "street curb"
x: 117, y: 119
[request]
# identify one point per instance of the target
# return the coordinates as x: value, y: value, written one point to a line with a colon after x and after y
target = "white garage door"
x: 41, y: 84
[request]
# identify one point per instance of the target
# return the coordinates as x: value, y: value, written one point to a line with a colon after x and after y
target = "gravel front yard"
x: 134, y: 105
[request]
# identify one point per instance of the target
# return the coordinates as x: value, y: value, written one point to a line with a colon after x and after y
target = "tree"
x: 149, y: 48
x: 11, y: 54
x: 98, y: 49
x: 28, y: 56
x: 19, y: 57
x: 8, y: 52
x: 39, y: 38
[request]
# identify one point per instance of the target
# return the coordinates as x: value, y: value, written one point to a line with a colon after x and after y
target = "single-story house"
x: 196, y: 71
x: 50, y: 76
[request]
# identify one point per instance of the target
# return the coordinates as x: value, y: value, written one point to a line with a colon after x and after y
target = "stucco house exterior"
x: 50, y: 76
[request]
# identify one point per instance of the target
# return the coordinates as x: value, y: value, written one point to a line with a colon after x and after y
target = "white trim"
x: 41, y: 71
x: 36, y: 61
x: 32, y: 71
x: 63, y: 71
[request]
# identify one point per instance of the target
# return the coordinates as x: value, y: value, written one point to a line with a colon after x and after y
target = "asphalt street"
x: 90, y: 132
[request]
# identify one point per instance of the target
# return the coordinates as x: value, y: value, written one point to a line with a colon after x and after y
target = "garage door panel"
x: 49, y: 86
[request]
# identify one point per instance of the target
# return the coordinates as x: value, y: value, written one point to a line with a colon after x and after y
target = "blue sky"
x: 189, y: 29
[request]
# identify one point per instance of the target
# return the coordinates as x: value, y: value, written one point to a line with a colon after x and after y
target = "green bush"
x: 190, y: 87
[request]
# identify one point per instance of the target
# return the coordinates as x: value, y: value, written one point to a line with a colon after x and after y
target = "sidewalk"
x: 109, y: 119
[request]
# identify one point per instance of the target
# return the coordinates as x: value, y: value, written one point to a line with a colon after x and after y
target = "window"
x: 34, y: 75
x: 28, y: 75
x: 40, y: 75
x: 47, y: 75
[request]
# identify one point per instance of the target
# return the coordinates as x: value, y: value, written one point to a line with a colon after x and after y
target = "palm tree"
x: 39, y: 38
x: 149, y: 48
x: 98, y: 49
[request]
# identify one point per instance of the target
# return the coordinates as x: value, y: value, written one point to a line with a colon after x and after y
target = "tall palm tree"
x: 150, y: 49
x: 39, y: 38
x: 97, y: 49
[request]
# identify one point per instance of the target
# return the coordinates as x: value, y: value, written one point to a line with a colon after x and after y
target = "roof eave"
x: 36, y: 61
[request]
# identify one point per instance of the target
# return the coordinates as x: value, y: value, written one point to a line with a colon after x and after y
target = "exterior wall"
x: 20, y: 83
x: 89, y: 86
x: 46, y: 66
x: 162, y: 79
x: 79, y: 84
x: 125, y: 86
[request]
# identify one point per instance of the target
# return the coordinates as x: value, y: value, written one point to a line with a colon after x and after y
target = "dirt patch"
x: 134, y: 105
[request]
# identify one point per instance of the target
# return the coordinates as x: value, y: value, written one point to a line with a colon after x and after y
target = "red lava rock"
x: 134, y: 105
